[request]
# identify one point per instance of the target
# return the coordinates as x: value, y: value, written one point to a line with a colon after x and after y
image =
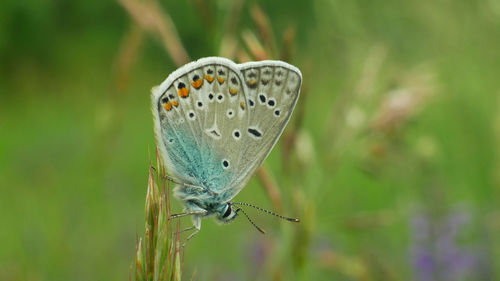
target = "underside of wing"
x: 272, y: 90
x: 201, y: 115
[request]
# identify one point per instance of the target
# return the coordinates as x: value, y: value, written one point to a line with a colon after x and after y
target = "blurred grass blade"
x: 269, y: 183
x: 127, y: 55
x: 254, y: 46
x: 287, y: 49
x: 150, y: 16
x: 229, y: 43
x: 265, y: 28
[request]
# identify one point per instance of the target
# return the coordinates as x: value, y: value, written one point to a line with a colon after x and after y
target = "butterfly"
x: 215, y: 123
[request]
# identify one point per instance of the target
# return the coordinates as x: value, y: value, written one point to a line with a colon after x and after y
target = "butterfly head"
x: 227, y: 214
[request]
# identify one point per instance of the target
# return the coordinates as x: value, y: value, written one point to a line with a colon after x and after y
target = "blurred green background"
x: 391, y: 159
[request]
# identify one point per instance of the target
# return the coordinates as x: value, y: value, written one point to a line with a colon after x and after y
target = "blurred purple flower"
x: 258, y: 251
x: 436, y: 253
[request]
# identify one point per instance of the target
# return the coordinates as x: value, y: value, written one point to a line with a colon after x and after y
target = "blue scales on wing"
x: 201, y: 116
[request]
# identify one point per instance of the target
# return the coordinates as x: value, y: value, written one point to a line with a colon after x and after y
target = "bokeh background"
x: 391, y: 159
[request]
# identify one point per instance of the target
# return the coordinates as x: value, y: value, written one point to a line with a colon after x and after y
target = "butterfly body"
x: 216, y: 122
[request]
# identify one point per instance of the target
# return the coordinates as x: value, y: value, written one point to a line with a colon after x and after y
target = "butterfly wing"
x: 272, y: 90
x: 201, y: 115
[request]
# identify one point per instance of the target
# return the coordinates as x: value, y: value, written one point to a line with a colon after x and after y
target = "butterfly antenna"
x: 258, y: 228
x: 266, y: 211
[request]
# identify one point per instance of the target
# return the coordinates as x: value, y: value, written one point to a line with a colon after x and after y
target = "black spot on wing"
x: 256, y: 133
x: 262, y: 98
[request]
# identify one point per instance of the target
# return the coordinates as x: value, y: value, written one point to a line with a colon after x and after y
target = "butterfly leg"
x: 185, y: 230
x: 197, y: 212
x: 189, y: 185
x: 196, y: 226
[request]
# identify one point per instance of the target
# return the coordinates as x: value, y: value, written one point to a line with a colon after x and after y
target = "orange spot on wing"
x: 209, y: 78
x: 233, y: 91
x: 252, y: 82
x: 221, y: 80
x: 183, y: 92
x: 175, y: 103
x: 167, y: 106
x: 242, y: 105
x: 197, y: 84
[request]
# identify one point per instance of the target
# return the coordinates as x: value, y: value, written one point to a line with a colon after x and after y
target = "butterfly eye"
x: 228, y: 211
